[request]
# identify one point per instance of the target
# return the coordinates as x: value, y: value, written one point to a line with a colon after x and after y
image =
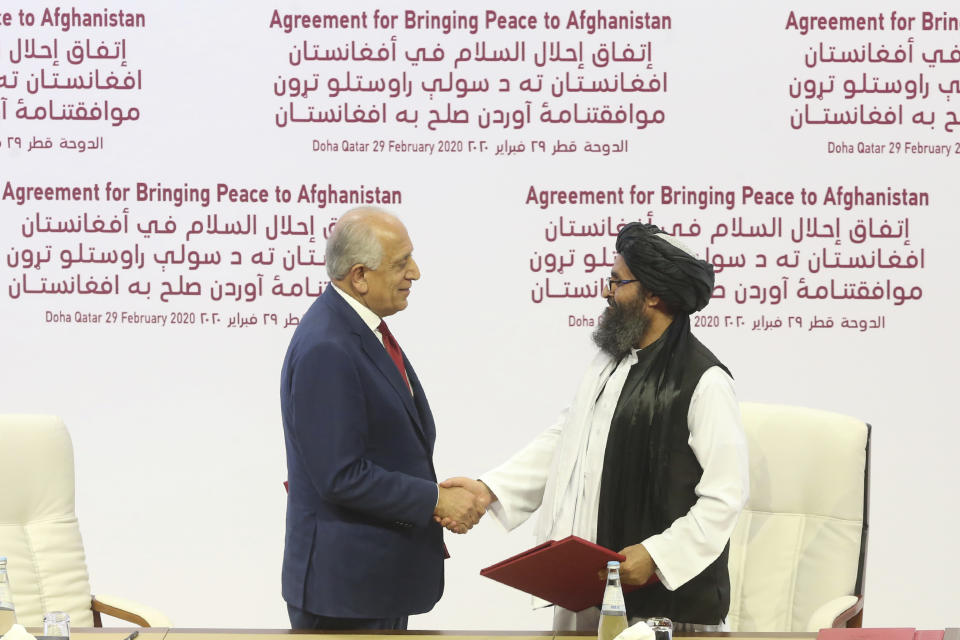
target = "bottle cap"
x: 613, y: 564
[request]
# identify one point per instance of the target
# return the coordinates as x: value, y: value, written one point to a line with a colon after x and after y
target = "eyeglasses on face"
x: 613, y: 283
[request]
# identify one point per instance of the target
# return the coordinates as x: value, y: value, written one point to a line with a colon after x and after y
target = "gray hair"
x: 353, y: 241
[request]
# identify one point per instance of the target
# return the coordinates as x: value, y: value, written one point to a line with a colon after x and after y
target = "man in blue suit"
x: 363, y: 549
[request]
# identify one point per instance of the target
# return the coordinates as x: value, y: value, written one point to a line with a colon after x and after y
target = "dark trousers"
x: 300, y: 619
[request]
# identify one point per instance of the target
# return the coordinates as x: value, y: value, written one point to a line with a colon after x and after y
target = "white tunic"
x: 560, y: 471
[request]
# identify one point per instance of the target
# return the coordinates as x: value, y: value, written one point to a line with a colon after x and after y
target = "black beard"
x: 620, y: 328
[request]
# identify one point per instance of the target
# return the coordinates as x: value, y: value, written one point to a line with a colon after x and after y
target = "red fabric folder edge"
x: 564, y: 572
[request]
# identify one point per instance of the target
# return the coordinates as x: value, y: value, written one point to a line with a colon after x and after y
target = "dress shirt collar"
x: 630, y: 358
x: 369, y: 318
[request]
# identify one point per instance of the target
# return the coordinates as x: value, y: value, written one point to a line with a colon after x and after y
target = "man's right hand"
x: 459, y: 508
x: 479, y: 490
x: 476, y: 487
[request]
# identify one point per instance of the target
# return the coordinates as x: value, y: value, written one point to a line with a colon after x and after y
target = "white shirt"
x: 561, y: 470
x: 369, y: 318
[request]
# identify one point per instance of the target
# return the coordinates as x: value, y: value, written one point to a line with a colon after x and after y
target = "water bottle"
x: 613, y: 613
x: 56, y: 624
x: 8, y: 617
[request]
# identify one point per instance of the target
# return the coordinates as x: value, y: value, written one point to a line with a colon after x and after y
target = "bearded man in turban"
x: 650, y: 459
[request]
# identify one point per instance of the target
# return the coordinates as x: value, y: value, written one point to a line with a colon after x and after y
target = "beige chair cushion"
x: 38, y: 525
x: 796, y: 546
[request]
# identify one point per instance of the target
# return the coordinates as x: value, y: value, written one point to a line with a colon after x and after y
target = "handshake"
x: 462, y: 503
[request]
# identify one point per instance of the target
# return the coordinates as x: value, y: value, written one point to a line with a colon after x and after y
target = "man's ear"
x: 654, y: 301
x: 357, y: 277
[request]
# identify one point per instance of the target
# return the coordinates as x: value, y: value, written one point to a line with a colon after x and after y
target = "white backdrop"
x: 179, y: 449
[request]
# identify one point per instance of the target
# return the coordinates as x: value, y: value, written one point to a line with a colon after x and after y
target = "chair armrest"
x: 127, y: 610
x: 835, y: 613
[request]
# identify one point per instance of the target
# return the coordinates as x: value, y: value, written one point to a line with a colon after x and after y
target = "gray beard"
x: 620, y: 328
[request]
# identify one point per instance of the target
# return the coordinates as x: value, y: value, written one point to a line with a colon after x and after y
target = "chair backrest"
x: 801, y: 539
x: 39, y: 533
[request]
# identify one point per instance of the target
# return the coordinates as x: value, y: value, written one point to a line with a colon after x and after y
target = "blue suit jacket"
x: 360, y: 540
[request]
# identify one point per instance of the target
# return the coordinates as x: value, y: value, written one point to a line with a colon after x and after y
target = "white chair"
x: 798, y: 552
x: 39, y: 533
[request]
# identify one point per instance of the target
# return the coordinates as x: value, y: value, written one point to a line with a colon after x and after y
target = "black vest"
x: 705, y: 599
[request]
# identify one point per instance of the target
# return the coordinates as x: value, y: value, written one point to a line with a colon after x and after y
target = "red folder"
x: 563, y: 572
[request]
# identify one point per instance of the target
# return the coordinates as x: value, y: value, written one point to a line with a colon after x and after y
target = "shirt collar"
x: 369, y: 318
x: 631, y: 358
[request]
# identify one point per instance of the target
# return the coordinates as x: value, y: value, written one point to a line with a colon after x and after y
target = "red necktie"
x: 393, y: 349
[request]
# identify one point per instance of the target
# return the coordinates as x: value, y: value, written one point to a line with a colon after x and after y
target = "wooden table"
x: 161, y: 633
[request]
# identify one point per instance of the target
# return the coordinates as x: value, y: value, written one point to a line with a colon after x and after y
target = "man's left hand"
x: 638, y: 567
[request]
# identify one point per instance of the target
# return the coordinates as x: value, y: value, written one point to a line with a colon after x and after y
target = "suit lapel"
x: 425, y: 424
x: 381, y: 359
x: 378, y: 354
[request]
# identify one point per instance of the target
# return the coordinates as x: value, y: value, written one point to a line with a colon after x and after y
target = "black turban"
x: 683, y: 281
